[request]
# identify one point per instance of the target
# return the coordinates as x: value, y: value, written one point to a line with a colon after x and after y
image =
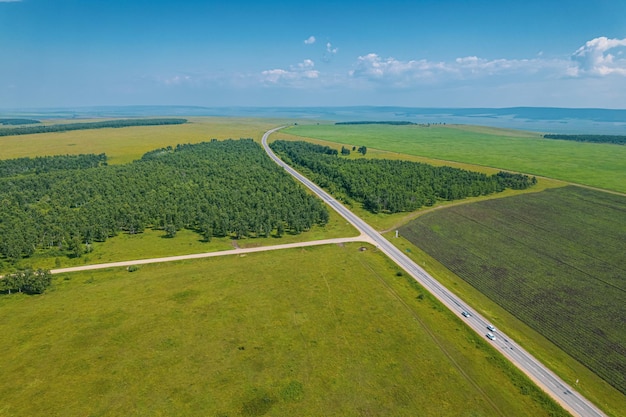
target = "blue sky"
x: 446, y: 53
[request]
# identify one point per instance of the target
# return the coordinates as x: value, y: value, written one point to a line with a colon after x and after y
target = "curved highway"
x: 542, y: 376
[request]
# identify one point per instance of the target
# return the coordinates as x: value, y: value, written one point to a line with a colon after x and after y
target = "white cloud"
x: 177, y: 80
x: 294, y: 76
x: 481, y: 66
x: 330, y: 52
x: 307, y: 63
x: 310, y: 40
x: 274, y: 75
x: 195, y: 79
x: 541, y: 78
x: 405, y: 73
x: 375, y: 67
x: 594, y: 58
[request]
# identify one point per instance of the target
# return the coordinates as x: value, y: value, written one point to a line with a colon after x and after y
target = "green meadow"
x: 596, y: 165
x: 329, y: 330
x: 293, y: 332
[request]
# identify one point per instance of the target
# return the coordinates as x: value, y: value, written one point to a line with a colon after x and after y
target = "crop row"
x: 546, y: 259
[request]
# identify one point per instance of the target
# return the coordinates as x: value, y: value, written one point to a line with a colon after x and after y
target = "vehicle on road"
x: 491, y: 336
x: 491, y: 328
x: 466, y: 314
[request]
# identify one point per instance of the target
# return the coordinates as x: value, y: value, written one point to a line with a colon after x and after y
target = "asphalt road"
x: 541, y: 375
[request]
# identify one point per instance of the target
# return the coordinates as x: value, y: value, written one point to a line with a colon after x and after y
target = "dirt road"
x: 361, y: 238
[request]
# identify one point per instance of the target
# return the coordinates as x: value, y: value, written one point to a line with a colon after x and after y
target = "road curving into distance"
x: 541, y: 375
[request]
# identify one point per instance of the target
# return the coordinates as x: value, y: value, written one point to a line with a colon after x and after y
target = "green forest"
x: 217, y: 188
x: 29, y: 130
x: 392, y: 186
x: 41, y: 164
x: 390, y: 122
x: 28, y: 281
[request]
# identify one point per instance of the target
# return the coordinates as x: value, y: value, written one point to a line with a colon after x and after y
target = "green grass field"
x: 553, y: 259
x: 279, y: 334
x: 166, y: 375
x: 597, y: 165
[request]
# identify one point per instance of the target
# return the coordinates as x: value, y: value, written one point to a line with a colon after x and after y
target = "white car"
x: 491, y: 328
x: 465, y: 314
x: 491, y: 336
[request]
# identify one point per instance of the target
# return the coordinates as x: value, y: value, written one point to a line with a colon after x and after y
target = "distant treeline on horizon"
x: 389, y: 122
x: 614, y: 139
x: 90, y: 125
x: 17, y: 122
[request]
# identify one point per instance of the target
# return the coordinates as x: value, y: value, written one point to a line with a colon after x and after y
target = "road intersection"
x: 541, y: 375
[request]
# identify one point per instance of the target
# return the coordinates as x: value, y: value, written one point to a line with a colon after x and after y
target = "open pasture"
x: 597, y: 165
x: 555, y: 260
x: 279, y: 334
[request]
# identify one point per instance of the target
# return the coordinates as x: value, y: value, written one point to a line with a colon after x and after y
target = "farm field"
x: 597, y: 165
x: 124, y: 145
x: 552, y: 259
x: 278, y: 334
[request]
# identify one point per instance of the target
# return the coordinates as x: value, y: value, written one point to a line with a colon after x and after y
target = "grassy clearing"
x: 277, y: 334
x: 553, y: 259
x: 597, y: 165
x: 127, y: 144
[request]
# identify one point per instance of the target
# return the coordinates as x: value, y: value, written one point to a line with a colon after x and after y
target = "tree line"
x: 16, y: 122
x: 217, y: 188
x: 28, y: 281
x: 390, y: 122
x: 41, y: 164
x: 29, y: 130
x: 392, y: 186
x: 614, y: 139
